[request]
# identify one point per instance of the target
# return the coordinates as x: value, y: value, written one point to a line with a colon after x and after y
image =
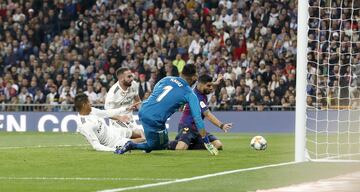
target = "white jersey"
x: 101, y: 136
x: 117, y: 97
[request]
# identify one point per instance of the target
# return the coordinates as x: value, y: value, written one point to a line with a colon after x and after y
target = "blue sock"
x: 141, y: 146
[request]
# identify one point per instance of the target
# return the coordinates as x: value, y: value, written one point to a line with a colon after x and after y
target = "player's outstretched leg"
x: 127, y: 147
x: 217, y: 144
x: 143, y: 146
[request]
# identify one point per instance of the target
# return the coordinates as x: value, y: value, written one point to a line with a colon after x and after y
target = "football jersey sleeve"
x: 203, y: 106
x: 109, y: 100
x: 107, y: 113
x: 87, y: 131
x: 193, y: 101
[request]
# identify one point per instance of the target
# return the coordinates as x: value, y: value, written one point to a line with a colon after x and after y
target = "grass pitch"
x: 64, y: 162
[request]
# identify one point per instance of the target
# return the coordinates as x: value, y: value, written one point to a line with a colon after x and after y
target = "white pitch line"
x: 43, y: 146
x: 195, y: 178
x: 85, y: 179
x: 345, y: 182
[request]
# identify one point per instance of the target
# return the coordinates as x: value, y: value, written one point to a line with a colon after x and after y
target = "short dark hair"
x: 189, y: 70
x: 205, y: 79
x: 121, y: 71
x: 79, y: 100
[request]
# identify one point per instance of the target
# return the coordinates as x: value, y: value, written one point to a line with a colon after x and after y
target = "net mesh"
x: 333, y: 80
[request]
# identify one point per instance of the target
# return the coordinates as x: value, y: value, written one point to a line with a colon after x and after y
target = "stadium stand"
x: 52, y: 49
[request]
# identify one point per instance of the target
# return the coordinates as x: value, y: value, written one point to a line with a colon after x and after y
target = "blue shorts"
x: 192, y: 138
x: 156, y: 134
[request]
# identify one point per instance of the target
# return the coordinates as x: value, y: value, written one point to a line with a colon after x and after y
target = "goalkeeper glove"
x: 210, y: 147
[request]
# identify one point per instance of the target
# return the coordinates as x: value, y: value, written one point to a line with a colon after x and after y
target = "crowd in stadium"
x: 333, y: 57
x: 52, y: 49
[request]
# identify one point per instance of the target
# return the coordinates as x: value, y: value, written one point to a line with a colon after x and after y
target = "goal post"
x: 327, y: 113
x: 301, y: 65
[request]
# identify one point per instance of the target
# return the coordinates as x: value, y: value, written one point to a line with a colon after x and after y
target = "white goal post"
x: 301, y: 59
x: 327, y: 123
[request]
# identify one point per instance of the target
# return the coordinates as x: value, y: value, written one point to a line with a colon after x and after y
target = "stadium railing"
x: 70, y: 107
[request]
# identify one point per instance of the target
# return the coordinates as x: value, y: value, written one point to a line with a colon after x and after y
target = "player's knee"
x: 172, y: 145
x: 137, y: 134
x: 217, y: 144
x: 181, y: 146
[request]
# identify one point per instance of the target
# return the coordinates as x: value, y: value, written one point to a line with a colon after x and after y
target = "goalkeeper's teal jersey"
x: 169, y: 94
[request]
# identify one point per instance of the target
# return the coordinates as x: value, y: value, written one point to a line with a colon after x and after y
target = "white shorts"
x: 123, y: 132
x: 122, y: 142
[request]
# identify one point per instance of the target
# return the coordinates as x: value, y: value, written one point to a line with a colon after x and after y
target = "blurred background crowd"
x: 334, y: 54
x: 52, y: 49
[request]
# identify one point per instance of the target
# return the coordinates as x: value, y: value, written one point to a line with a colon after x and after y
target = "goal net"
x: 333, y: 80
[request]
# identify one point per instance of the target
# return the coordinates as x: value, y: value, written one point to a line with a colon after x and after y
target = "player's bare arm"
x: 211, y: 117
x: 125, y: 118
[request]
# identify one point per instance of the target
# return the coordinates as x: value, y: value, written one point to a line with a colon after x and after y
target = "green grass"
x: 79, y: 160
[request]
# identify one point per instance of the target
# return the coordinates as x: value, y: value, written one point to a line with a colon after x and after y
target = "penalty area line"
x: 43, y: 146
x: 196, y: 177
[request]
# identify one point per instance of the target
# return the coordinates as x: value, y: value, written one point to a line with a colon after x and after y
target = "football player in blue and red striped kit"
x: 188, y: 135
x: 169, y: 94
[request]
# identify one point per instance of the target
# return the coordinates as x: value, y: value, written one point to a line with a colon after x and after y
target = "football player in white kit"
x: 124, y: 93
x: 92, y: 125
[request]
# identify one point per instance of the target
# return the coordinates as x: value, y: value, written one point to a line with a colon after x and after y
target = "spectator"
x: 14, y: 101
x: 274, y: 83
x: 66, y: 103
x: 213, y: 104
x: 102, y: 95
x: 23, y: 95
x: 77, y: 66
x: 28, y: 100
x: 224, y: 102
x: 39, y: 97
x: 52, y: 98
x: 179, y: 63
x: 230, y: 90
x: 249, y: 80
x: 144, y: 86
x: 93, y: 98
x: 195, y: 46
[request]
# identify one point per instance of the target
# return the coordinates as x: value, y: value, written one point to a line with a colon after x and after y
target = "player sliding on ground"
x: 188, y: 135
x: 92, y: 125
x: 169, y: 94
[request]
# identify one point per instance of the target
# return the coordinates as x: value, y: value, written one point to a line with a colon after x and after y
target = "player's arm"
x: 92, y: 139
x: 193, y: 102
x: 136, y: 104
x: 211, y: 117
x: 137, y: 99
x: 109, y: 104
x: 108, y: 113
x: 110, y: 107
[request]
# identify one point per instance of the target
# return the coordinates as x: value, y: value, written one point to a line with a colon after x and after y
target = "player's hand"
x: 210, y: 147
x: 122, y: 118
x: 134, y: 106
x: 226, y: 127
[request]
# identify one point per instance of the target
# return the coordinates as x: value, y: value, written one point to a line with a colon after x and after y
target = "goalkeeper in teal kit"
x: 169, y: 94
